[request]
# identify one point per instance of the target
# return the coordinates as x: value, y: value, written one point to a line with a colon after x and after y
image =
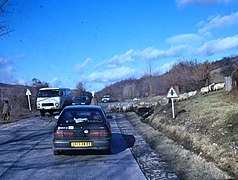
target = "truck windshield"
x: 49, y: 93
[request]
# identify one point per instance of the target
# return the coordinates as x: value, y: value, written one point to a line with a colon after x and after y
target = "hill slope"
x: 206, y: 125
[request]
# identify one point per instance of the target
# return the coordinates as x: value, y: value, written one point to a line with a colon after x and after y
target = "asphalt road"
x: 26, y: 153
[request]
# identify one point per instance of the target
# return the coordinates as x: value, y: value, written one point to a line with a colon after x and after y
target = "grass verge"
x: 206, y: 125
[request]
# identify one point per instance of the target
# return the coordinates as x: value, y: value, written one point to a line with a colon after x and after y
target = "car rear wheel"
x: 42, y: 112
x: 108, y: 151
x: 51, y: 113
x: 56, y: 152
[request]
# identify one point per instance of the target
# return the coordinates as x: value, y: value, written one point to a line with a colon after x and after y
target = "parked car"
x: 81, y: 100
x: 82, y: 128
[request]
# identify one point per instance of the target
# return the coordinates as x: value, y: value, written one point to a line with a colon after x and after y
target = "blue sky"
x: 100, y: 42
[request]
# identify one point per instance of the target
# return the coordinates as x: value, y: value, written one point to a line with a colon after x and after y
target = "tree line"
x: 187, y: 75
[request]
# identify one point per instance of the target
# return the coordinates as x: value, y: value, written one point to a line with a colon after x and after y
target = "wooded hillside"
x: 187, y: 75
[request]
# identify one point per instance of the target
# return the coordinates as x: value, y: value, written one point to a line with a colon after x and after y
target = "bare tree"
x: 148, y: 78
x: 4, y: 29
x: 149, y: 69
x: 189, y: 75
x: 2, y: 4
x: 39, y: 84
x: 80, y: 89
x: 129, y: 91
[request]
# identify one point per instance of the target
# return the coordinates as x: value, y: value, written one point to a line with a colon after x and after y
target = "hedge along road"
x: 26, y: 153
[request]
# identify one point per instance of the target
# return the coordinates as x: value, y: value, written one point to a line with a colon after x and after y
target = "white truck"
x: 53, y: 99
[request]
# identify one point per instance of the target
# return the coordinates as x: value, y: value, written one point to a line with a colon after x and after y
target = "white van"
x: 106, y: 98
x: 53, y: 99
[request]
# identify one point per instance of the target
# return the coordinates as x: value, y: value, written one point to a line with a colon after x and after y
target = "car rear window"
x: 76, y: 116
x: 81, y: 98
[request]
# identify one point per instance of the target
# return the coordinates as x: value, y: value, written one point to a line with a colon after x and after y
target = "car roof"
x: 80, y: 96
x: 75, y: 107
x: 53, y: 88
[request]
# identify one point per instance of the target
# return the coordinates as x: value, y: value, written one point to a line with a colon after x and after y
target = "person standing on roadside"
x: 6, y: 110
x: 94, y: 100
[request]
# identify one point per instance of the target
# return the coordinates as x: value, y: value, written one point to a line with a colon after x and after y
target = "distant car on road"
x: 81, y: 100
x: 82, y: 128
x: 106, y: 98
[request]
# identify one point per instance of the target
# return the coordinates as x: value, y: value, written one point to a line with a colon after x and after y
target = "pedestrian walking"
x: 6, y: 110
x: 94, y: 100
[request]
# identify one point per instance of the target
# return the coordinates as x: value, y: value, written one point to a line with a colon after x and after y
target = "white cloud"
x: 80, y: 67
x: 111, y: 75
x: 182, y: 3
x: 218, y: 22
x: 218, y: 45
x: 149, y: 53
x: 4, y: 62
x: 124, y: 58
x: 118, y: 60
x: 6, y: 70
x: 152, y: 53
x: 201, y: 44
x: 166, y: 67
x: 22, y: 82
x: 185, y: 39
x: 55, y: 82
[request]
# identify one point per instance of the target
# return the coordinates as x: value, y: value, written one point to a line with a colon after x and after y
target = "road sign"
x: 172, y: 93
x: 28, y: 94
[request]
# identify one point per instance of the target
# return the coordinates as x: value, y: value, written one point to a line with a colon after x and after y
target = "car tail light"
x: 60, y: 133
x: 99, y: 133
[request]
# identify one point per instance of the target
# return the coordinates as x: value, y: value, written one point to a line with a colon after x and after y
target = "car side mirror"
x: 56, y: 117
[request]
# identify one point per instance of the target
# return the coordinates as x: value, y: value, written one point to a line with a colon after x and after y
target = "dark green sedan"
x: 82, y: 128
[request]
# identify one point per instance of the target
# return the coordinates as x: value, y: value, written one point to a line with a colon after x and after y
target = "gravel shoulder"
x: 175, y: 160
x: 152, y: 164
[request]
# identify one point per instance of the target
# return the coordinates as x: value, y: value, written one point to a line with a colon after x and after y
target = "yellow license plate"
x: 81, y: 144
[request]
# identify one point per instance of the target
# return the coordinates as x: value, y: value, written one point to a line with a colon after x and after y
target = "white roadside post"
x: 173, y: 113
x: 172, y: 94
x: 28, y: 94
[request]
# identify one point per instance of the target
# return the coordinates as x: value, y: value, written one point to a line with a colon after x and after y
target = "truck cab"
x: 53, y: 99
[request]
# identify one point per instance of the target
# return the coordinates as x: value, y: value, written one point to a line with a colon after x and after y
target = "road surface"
x: 26, y: 153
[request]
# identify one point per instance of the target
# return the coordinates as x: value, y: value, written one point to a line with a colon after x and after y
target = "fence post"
x: 228, y: 83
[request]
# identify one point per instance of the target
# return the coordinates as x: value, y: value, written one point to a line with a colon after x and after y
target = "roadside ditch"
x: 183, y: 163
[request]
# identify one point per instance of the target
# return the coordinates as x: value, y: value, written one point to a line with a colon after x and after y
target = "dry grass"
x: 206, y: 125
x: 186, y: 164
